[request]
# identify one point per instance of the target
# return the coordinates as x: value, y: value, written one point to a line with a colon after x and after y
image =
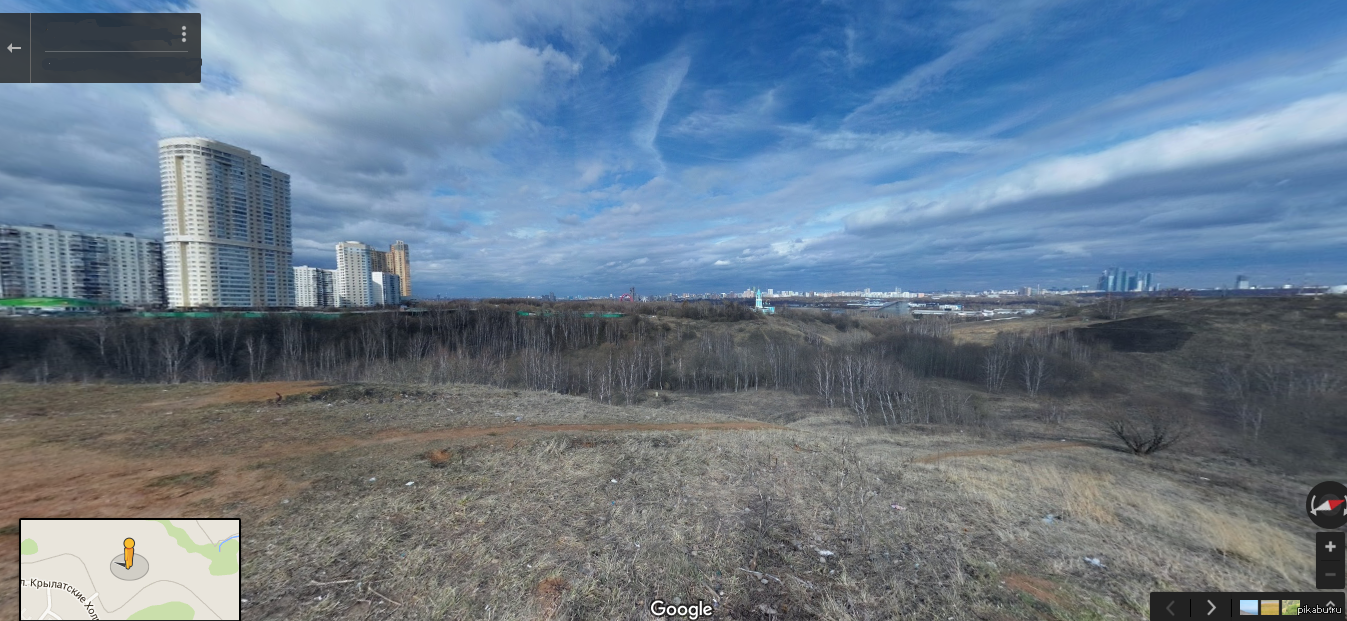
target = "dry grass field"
x: 530, y: 505
x: 462, y: 501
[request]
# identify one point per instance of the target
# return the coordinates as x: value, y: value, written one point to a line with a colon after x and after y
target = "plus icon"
x: 1331, y: 546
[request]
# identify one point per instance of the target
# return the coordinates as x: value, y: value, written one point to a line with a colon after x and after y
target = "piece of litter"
x: 613, y: 481
x: 372, y: 479
x: 411, y: 482
x: 1204, y: 478
x: 898, y: 507
x: 1094, y: 561
x: 1049, y: 519
x: 286, y: 501
x: 824, y: 552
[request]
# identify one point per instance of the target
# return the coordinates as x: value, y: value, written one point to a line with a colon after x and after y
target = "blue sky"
x: 586, y: 146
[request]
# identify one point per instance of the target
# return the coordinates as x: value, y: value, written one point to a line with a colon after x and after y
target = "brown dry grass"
x: 1037, y: 588
x: 438, y: 458
x: 1046, y: 446
x: 224, y: 394
x: 549, y: 595
x: 557, y: 518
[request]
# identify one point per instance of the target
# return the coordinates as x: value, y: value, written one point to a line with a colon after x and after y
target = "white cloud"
x: 1301, y: 126
x: 661, y: 86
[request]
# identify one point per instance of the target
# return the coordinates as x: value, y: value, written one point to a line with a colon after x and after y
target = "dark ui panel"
x: 100, y: 47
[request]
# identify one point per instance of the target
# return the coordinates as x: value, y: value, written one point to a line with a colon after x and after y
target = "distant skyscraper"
x: 1242, y: 282
x: 353, y: 274
x: 399, y: 262
x: 226, y: 226
x: 44, y: 261
x: 385, y: 288
x: 1116, y: 280
x: 315, y: 287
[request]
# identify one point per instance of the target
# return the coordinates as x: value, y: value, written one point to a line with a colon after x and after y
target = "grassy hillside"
x: 531, y: 504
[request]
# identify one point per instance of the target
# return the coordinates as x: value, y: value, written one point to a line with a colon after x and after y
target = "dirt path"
x: 514, y: 431
x: 224, y: 394
x: 1028, y: 448
x: 54, y: 481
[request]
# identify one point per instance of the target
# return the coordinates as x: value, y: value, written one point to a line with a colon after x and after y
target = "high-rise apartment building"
x: 378, y: 261
x: 315, y: 287
x: 353, y: 274
x: 44, y: 261
x: 385, y: 288
x: 226, y: 226
x: 399, y: 262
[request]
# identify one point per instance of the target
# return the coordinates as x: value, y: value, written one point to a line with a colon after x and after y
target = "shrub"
x: 1147, y: 430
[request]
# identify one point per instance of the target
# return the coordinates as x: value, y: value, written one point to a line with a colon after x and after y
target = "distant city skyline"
x: 589, y: 146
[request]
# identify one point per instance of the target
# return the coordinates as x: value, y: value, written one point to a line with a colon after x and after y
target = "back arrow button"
x: 12, y: 47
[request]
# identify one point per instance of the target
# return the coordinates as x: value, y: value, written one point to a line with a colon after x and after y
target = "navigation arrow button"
x: 12, y: 47
x: 1213, y: 608
x: 1170, y: 607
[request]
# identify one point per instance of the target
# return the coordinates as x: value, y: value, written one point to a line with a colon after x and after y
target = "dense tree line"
x: 886, y: 371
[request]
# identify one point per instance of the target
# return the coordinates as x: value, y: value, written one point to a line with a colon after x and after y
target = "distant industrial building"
x: 226, y: 226
x: 1116, y: 280
x: 1242, y: 282
x: 44, y: 261
x: 315, y: 287
x: 385, y: 288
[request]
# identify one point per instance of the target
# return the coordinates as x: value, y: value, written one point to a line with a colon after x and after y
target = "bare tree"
x: 174, y: 347
x: 1148, y: 430
x: 1113, y: 307
x: 1054, y: 412
x: 1250, y: 418
x: 98, y: 333
x: 825, y: 372
x: 1033, y: 368
x: 292, y: 348
x: 995, y: 368
x: 257, y: 357
x: 633, y: 373
x: 857, y: 374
